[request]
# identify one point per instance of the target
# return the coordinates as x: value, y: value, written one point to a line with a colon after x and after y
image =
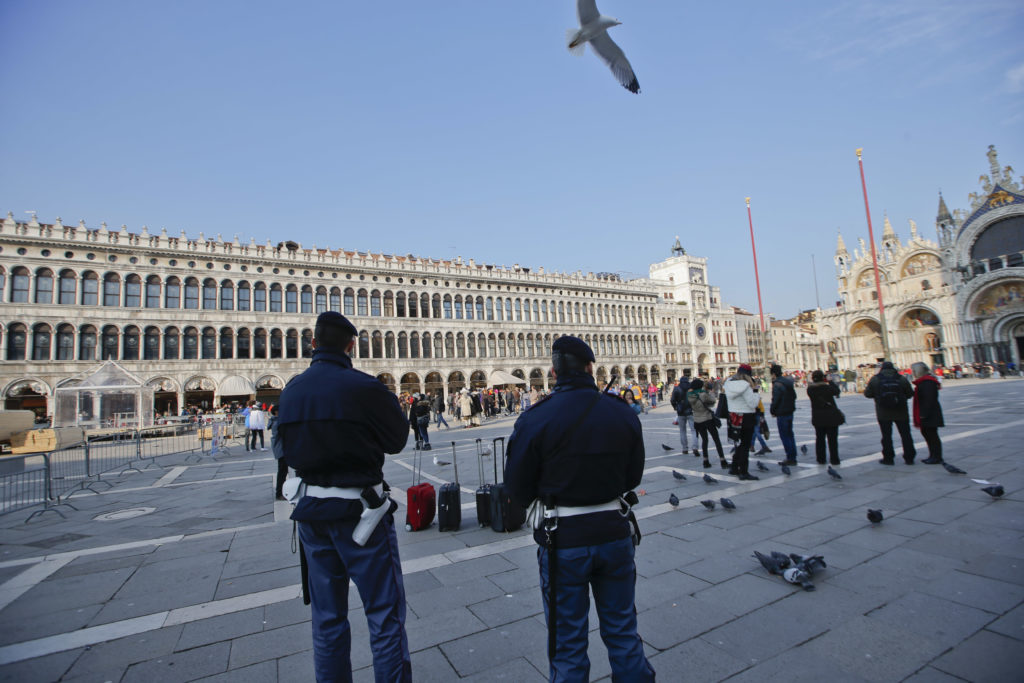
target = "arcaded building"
x: 206, y: 321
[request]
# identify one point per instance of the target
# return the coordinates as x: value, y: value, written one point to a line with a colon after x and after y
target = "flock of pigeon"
x: 799, y: 569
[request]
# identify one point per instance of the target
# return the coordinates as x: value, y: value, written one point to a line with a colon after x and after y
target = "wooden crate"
x: 45, y: 440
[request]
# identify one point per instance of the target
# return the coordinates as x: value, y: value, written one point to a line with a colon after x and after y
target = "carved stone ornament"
x: 199, y: 384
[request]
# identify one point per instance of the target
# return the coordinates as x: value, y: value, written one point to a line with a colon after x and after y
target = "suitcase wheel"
x: 408, y: 527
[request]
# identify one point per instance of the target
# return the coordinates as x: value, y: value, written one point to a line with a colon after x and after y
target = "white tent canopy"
x: 499, y: 377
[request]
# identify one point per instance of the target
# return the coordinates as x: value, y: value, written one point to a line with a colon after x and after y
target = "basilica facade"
x: 949, y: 301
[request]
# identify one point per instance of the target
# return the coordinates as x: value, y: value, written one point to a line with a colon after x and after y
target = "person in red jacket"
x: 928, y: 411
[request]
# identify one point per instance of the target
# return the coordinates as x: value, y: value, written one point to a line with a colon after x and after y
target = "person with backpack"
x: 890, y: 391
x: 684, y: 414
x: 782, y: 407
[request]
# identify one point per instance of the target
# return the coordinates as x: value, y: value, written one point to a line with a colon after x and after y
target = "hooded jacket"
x: 741, y: 394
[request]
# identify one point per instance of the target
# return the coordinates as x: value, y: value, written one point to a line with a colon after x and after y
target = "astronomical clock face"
x: 697, y: 275
x: 701, y: 332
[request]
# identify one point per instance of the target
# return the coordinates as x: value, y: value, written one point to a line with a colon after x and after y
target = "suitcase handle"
x: 494, y: 454
x: 455, y: 464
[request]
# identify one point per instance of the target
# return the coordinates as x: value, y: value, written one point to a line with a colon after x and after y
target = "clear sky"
x: 465, y: 127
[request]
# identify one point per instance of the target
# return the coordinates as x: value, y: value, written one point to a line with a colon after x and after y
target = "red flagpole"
x: 874, y: 259
x: 757, y: 279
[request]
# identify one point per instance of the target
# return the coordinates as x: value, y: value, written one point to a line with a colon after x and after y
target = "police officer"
x: 577, y: 451
x: 334, y: 425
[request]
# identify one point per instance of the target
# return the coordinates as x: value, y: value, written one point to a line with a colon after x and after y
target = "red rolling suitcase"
x: 449, y: 501
x: 483, y: 492
x: 421, y: 498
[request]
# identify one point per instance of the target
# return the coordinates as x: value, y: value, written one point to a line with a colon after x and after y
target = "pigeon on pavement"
x: 709, y: 504
x: 441, y: 463
x: 770, y: 563
x: 785, y: 470
x: 799, y: 577
x: 678, y: 475
x: 673, y: 500
x: 803, y: 448
x: 995, y: 491
x: 808, y: 563
x: 667, y: 448
x: 708, y: 479
x: 761, y: 466
x: 727, y: 504
x: 832, y: 473
x: 953, y: 469
x: 781, y: 558
x: 875, y: 516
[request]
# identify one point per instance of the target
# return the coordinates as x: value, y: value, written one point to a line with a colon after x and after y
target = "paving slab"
x: 984, y: 657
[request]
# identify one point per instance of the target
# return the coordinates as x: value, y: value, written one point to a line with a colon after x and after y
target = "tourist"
x: 825, y: 416
x: 890, y: 391
x: 928, y: 411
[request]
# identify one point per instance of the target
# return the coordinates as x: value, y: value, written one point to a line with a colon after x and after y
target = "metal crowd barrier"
x: 23, y: 482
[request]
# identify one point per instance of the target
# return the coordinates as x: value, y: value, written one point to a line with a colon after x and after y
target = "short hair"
x: 919, y: 369
x: 697, y: 384
x: 332, y: 337
x: 818, y: 376
x: 776, y: 370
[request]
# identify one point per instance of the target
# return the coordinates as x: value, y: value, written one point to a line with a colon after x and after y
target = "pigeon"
x: 709, y: 504
x: 727, y: 503
x: 667, y: 448
x: 708, y: 479
x: 995, y: 491
x: 785, y: 470
x: 832, y: 473
x: 799, y: 577
x: 782, y: 559
x: 770, y: 563
x: 679, y: 475
x: 594, y: 30
x: 761, y: 466
x: 875, y: 516
x: 953, y: 469
x: 808, y: 563
x: 441, y: 463
x: 803, y: 448
x: 673, y: 500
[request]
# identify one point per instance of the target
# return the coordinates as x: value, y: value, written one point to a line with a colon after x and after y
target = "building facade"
x: 205, y: 321
x: 958, y: 299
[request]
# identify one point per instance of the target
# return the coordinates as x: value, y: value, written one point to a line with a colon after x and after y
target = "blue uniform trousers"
x: 607, y: 569
x: 333, y: 557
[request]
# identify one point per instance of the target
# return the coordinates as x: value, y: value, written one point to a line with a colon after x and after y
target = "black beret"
x: 337, y: 320
x: 574, y: 346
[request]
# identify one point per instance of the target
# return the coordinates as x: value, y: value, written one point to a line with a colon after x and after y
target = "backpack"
x: 890, y: 391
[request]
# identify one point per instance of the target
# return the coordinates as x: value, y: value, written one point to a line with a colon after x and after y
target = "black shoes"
x: 744, y: 476
x: 725, y: 464
x: 932, y: 461
x: 885, y: 461
x: 696, y: 453
x: 764, y: 449
x: 707, y: 464
x: 910, y: 461
x: 787, y: 462
x: 426, y: 447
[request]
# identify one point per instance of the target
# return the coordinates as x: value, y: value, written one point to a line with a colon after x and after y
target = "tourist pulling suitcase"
x: 420, y: 498
x: 449, y: 503
x: 483, y: 492
x: 506, y: 514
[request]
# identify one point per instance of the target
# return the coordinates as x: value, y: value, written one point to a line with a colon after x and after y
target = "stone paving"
x: 201, y: 583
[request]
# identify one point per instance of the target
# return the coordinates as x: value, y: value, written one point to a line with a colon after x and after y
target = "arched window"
x: 307, y: 343
x: 209, y: 294
x: 90, y: 288
x: 522, y: 345
x: 291, y: 299
x: 403, y: 345
x: 400, y: 304
x: 111, y: 290
x: 364, y: 344
x: 389, y: 304
x: 276, y: 344
x: 471, y: 345
x: 87, y: 342
x: 460, y: 345
x: 536, y: 311
x: 425, y: 345
x: 479, y: 308
x: 492, y: 347
x: 44, y: 286
x: 227, y: 295
x: 191, y: 293
x: 276, y: 298
x: 413, y: 305
x: 172, y: 293
x: 259, y: 297
x: 244, y: 342
x: 501, y: 345
x: 508, y: 309
x: 490, y: 308
x: 424, y: 306
x: 362, y: 303
x: 227, y: 342
x: 350, y: 303
x: 468, y: 307
x: 321, y: 300
x: 539, y: 344
x: 435, y: 305
x: 259, y: 345
x: 438, y: 345
x: 20, y: 285
x: 449, y: 345
x: 109, y: 343
x: 16, y: 337
x: 171, y: 343
x: 151, y: 343
x: 499, y: 309
x: 244, y: 296
x: 65, y: 342
x: 41, y: 340
x: 209, y: 343
x: 389, y: 345
x: 481, y: 345
x: 306, y: 302
x: 458, y: 308
x: 447, y: 306
x: 190, y: 349
x: 375, y: 303
x: 133, y: 291
x: 153, y: 291
x: 414, y: 345
x: 335, y: 299
x: 519, y: 310
x: 291, y: 344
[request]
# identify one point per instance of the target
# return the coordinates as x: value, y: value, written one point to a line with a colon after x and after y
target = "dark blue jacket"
x: 783, y: 397
x: 336, y: 423
x: 602, y: 459
x: 678, y: 399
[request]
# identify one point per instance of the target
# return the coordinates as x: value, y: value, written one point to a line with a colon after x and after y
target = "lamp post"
x: 874, y: 260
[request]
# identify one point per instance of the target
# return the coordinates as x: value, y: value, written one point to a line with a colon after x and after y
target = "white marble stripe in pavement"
x: 16, y: 586
x: 97, y: 634
x: 170, y: 476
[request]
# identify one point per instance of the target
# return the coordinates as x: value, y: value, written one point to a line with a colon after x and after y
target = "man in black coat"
x: 577, y: 451
x: 891, y: 390
x: 782, y: 407
x: 684, y: 414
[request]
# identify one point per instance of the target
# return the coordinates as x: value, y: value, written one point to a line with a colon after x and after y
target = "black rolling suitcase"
x: 506, y: 514
x: 449, y: 503
x: 483, y: 492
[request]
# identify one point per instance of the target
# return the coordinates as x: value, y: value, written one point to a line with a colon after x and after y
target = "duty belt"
x: 295, y: 488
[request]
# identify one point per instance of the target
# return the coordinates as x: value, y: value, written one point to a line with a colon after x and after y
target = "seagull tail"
x: 575, y: 48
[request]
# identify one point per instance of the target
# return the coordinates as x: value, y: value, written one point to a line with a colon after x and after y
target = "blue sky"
x: 465, y: 127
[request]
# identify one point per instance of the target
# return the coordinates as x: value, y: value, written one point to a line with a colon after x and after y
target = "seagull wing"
x: 612, y: 55
x: 586, y: 11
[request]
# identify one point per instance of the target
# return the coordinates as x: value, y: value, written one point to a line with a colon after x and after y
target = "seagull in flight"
x: 594, y: 30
